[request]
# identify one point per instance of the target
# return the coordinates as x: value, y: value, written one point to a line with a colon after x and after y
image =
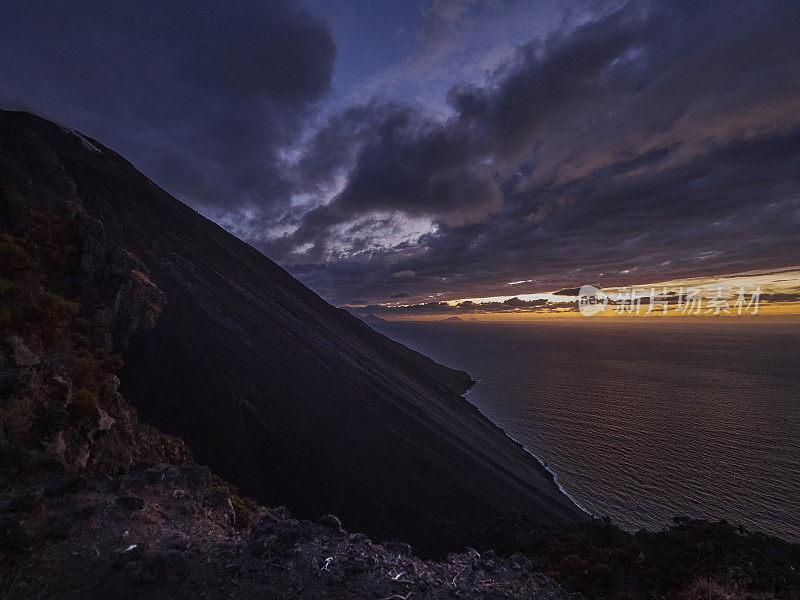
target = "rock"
x: 8, y: 381
x: 93, y: 258
x: 221, y: 502
x: 137, y: 306
x: 112, y: 383
x: 58, y: 527
x: 399, y: 548
x: 520, y: 561
x: 182, y: 500
x: 263, y: 544
x: 113, y: 485
x: 330, y: 521
x: 130, y: 553
x: 194, y: 478
x: 62, y: 389
x: 105, y: 421
x: 488, y: 560
x: 68, y: 484
x: 13, y: 537
x: 355, y: 565
x: 139, y: 478
x: 24, y: 503
x: 58, y: 445
x: 51, y: 419
x: 82, y: 456
x: 23, y: 356
x: 176, y: 541
x: 271, y: 534
x: 130, y: 502
x: 287, y: 531
x: 160, y: 565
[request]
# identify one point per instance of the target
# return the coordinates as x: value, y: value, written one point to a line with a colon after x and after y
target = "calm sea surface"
x: 642, y: 421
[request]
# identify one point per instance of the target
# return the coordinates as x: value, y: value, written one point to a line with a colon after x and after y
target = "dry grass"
x: 18, y: 411
x: 711, y: 589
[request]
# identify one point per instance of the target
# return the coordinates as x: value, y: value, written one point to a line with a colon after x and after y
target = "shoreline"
x: 552, y: 473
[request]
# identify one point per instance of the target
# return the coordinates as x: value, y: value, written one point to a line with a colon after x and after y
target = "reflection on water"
x: 644, y: 421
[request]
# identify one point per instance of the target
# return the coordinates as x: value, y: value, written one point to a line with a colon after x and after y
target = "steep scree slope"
x: 295, y: 401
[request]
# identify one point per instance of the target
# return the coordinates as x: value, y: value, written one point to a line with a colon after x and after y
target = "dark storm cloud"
x: 568, y: 292
x: 200, y: 95
x: 659, y: 140
x: 780, y: 297
x: 399, y: 160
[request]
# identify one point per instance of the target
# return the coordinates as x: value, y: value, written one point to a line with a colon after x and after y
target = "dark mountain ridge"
x: 295, y: 401
x: 371, y: 319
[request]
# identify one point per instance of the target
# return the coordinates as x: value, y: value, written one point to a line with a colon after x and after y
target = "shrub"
x: 7, y: 288
x: 113, y: 363
x: 17, y: 412
x: 6, y: 319
x: 79, y: 340
x: 56, y: 313
x: 708, y: 589
x: 88, y: 371
x: 84, y: 404
x: 14, y: 259
x: 108, y: 388
x: 245, y: 509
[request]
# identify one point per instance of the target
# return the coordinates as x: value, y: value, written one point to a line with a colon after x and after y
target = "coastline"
x: 542, y: 464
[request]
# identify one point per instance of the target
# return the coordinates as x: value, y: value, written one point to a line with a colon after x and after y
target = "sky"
x: 415, y: 152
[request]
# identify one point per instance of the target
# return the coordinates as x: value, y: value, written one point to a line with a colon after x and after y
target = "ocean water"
x: 645, y: 420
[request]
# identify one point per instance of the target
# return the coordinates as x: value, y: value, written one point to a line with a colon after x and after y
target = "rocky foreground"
x: 165, y: 531
x: 96, y: 503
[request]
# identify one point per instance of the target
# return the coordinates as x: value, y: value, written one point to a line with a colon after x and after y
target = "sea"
x: 643, y: 420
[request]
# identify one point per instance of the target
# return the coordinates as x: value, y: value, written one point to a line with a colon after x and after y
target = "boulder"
x: 132, y: 503
x: 22, y: 355
x: 330, y: 521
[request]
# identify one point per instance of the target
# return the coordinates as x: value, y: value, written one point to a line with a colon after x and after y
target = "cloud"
x: 659, y: 138
x: 621, y: 142
x: 201, y: 96
x: 542, y: 305
x: 567, y: 292
x: 440, y: 18
x: 468, y: 307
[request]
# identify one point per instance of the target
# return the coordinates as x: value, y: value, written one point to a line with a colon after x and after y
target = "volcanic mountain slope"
x: 293, y: 400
